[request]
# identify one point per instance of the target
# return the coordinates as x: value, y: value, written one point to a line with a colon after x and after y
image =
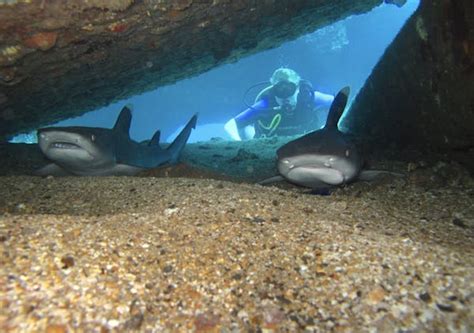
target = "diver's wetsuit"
x: 271, y: 119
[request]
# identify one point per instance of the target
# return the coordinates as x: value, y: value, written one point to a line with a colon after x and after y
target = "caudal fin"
x: 178, y: 144
x: 337, y: 108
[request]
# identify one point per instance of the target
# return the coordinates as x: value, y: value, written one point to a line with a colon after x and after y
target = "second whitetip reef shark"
x: 93, y: 151
x: 324, y: 158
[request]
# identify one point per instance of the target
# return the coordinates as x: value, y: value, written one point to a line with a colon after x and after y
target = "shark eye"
x: 92, y: 137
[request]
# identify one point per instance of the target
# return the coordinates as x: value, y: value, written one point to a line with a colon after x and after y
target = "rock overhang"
x: 61, y: 59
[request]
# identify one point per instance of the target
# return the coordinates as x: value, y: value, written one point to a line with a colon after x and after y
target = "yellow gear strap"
x: 273, y: 124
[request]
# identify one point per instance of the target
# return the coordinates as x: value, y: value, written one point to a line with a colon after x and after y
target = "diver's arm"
x: 237, y: 126
x: 249, y: 115
x: 321, y: 99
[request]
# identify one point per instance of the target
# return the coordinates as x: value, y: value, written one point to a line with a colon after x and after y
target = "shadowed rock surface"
x: 421, y: 93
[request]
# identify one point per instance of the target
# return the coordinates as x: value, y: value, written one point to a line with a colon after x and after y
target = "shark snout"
x: 53, y: 134
x: 285, y: 166
x: 44, y: 139
x: 48, y: 139
x: 288, y: 164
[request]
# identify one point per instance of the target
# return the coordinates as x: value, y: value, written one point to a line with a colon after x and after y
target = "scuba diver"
x: 288, y: 106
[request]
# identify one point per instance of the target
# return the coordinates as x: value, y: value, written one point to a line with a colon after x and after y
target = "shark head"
x: 77, y: 148
x: 324, y: 157
x: 318, y: 170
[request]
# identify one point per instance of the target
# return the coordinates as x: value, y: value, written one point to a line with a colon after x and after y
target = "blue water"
x: 338, y: 55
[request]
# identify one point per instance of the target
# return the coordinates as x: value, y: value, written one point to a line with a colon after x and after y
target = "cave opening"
x: 341, y: 54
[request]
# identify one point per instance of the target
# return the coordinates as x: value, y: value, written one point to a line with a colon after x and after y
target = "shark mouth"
x: 64, y: 145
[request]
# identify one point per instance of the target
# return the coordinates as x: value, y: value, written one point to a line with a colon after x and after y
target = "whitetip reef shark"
x: 93, y: 151
x: 323, y: 158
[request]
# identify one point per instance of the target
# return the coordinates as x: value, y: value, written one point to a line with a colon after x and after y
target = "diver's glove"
x: 247, y: 133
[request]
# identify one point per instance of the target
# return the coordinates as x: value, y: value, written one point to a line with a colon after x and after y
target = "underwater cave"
x: 128, y: 215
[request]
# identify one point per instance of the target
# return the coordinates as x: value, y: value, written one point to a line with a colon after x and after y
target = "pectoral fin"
x: 123, y: 170
x: 371, y: 175
x: 271, y: 180
x: 51, y: 170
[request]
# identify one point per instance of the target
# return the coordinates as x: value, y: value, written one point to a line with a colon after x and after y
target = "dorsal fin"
x: 337, y: 108
x: 124, y: 119
x: 155, y: 139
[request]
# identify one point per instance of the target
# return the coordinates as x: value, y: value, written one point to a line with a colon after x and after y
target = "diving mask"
x: 288, y: 103
x: 284, y: 89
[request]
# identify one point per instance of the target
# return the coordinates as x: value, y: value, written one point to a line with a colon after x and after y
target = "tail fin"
x: 178, y: 144
x: 337, y: 108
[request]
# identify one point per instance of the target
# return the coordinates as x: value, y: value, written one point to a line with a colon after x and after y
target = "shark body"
x: 93, y: 151
x: 325, y: 157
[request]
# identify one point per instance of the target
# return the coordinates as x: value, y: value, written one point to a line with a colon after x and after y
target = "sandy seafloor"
x: 212, y: 255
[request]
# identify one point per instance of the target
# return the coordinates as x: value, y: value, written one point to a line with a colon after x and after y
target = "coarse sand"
x: 210, y: 251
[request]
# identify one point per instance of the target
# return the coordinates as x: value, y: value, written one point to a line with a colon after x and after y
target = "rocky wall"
x: 421, y: 93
